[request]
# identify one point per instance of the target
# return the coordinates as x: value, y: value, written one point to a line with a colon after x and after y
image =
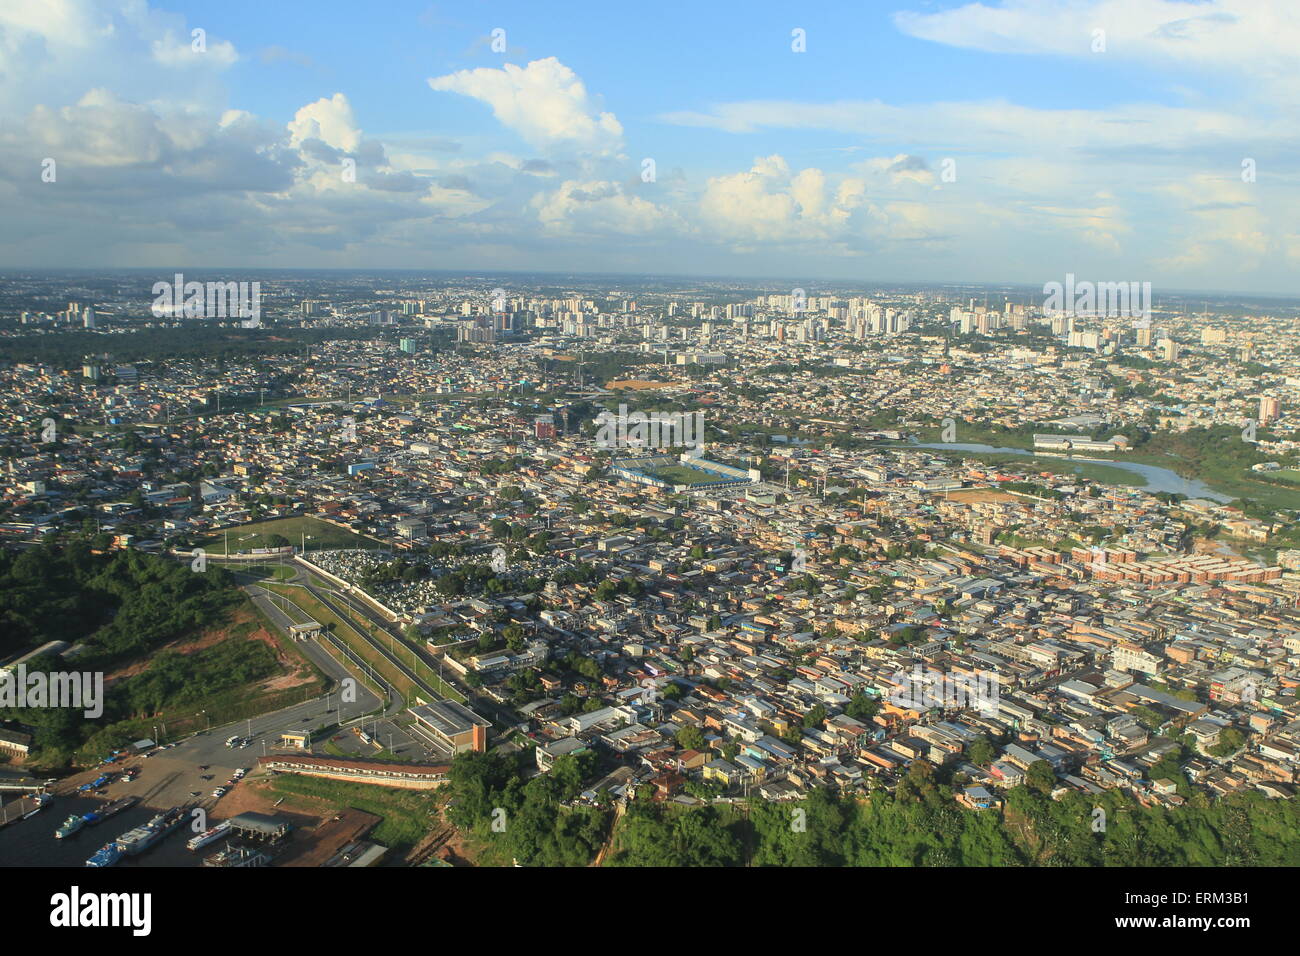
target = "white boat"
x: 207, y: 836
x: 42, y: 801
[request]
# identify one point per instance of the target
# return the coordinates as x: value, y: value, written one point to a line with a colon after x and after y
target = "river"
x: 31, y: 842
x: 1157, y: 478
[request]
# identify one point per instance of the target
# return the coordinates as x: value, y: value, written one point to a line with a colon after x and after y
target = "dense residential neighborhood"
x: 762, y: 612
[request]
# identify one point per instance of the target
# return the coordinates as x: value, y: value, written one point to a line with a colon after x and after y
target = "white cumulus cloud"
x: 544, y: 102
x: 329, y: 120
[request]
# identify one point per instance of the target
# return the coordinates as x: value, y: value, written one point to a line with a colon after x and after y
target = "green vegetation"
x: 1218, y: 456
x: 119, y: 605
x: 526, y: 822
x: 121, y: 608
x: 921, y: 825
x: 918, y: 824
x: 191, y: 340
x: 1105, y: 474
x: 174, y: 679
x: 348, y: 629
x: 651, y: 835
x: 682, y: 475
x: 407, y: 814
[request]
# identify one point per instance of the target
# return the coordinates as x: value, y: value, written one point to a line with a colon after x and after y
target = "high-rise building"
x: 1270, y: 409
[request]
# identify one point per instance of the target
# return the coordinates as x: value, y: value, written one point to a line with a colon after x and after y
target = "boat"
x: 70, y: 826
x: 95, y: 784
x: 42, y: 801
x: 107, y: 855
x: 207, y: 836
x: 134, y: 842
x: 111, y: 809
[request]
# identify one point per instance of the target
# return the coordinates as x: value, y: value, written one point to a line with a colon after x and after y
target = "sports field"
x: 257, y: 534
x: 682, y: 475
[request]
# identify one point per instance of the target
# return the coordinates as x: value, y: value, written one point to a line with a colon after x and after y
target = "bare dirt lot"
x: 636, y: 384
x: 982, y: 495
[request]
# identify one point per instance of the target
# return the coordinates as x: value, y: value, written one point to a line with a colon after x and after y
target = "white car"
x: 219, y: 792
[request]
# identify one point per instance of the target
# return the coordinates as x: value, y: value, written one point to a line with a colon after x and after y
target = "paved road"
x: 366, y: 700
x: 383, y: 728
x: 478, y: 702
x: 312, y: 714
x: 331, y: 597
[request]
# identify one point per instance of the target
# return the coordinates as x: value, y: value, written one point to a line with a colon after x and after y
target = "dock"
x: 14, y: 810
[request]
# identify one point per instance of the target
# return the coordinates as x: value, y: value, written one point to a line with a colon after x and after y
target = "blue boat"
x: 96, y: 783
x: 107, y: 855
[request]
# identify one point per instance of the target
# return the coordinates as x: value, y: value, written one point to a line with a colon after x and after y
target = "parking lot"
x: 387, y: 735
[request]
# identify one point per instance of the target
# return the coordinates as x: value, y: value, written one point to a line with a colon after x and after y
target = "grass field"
x: 682, y: 475
x: 407, y: 814
x: 266, y: 572
x: 257, y: 534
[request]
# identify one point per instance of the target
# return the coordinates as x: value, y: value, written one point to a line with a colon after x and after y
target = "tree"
x: 862, y: 707
x: 981, y: 752
x: 514, y: 635
x: 815, y: 717
x: 1041, y: 777
x: 1230, y: 741
x: 690, y: 737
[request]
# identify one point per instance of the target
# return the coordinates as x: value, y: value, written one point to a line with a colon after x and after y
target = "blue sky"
x: 1009, y: 140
